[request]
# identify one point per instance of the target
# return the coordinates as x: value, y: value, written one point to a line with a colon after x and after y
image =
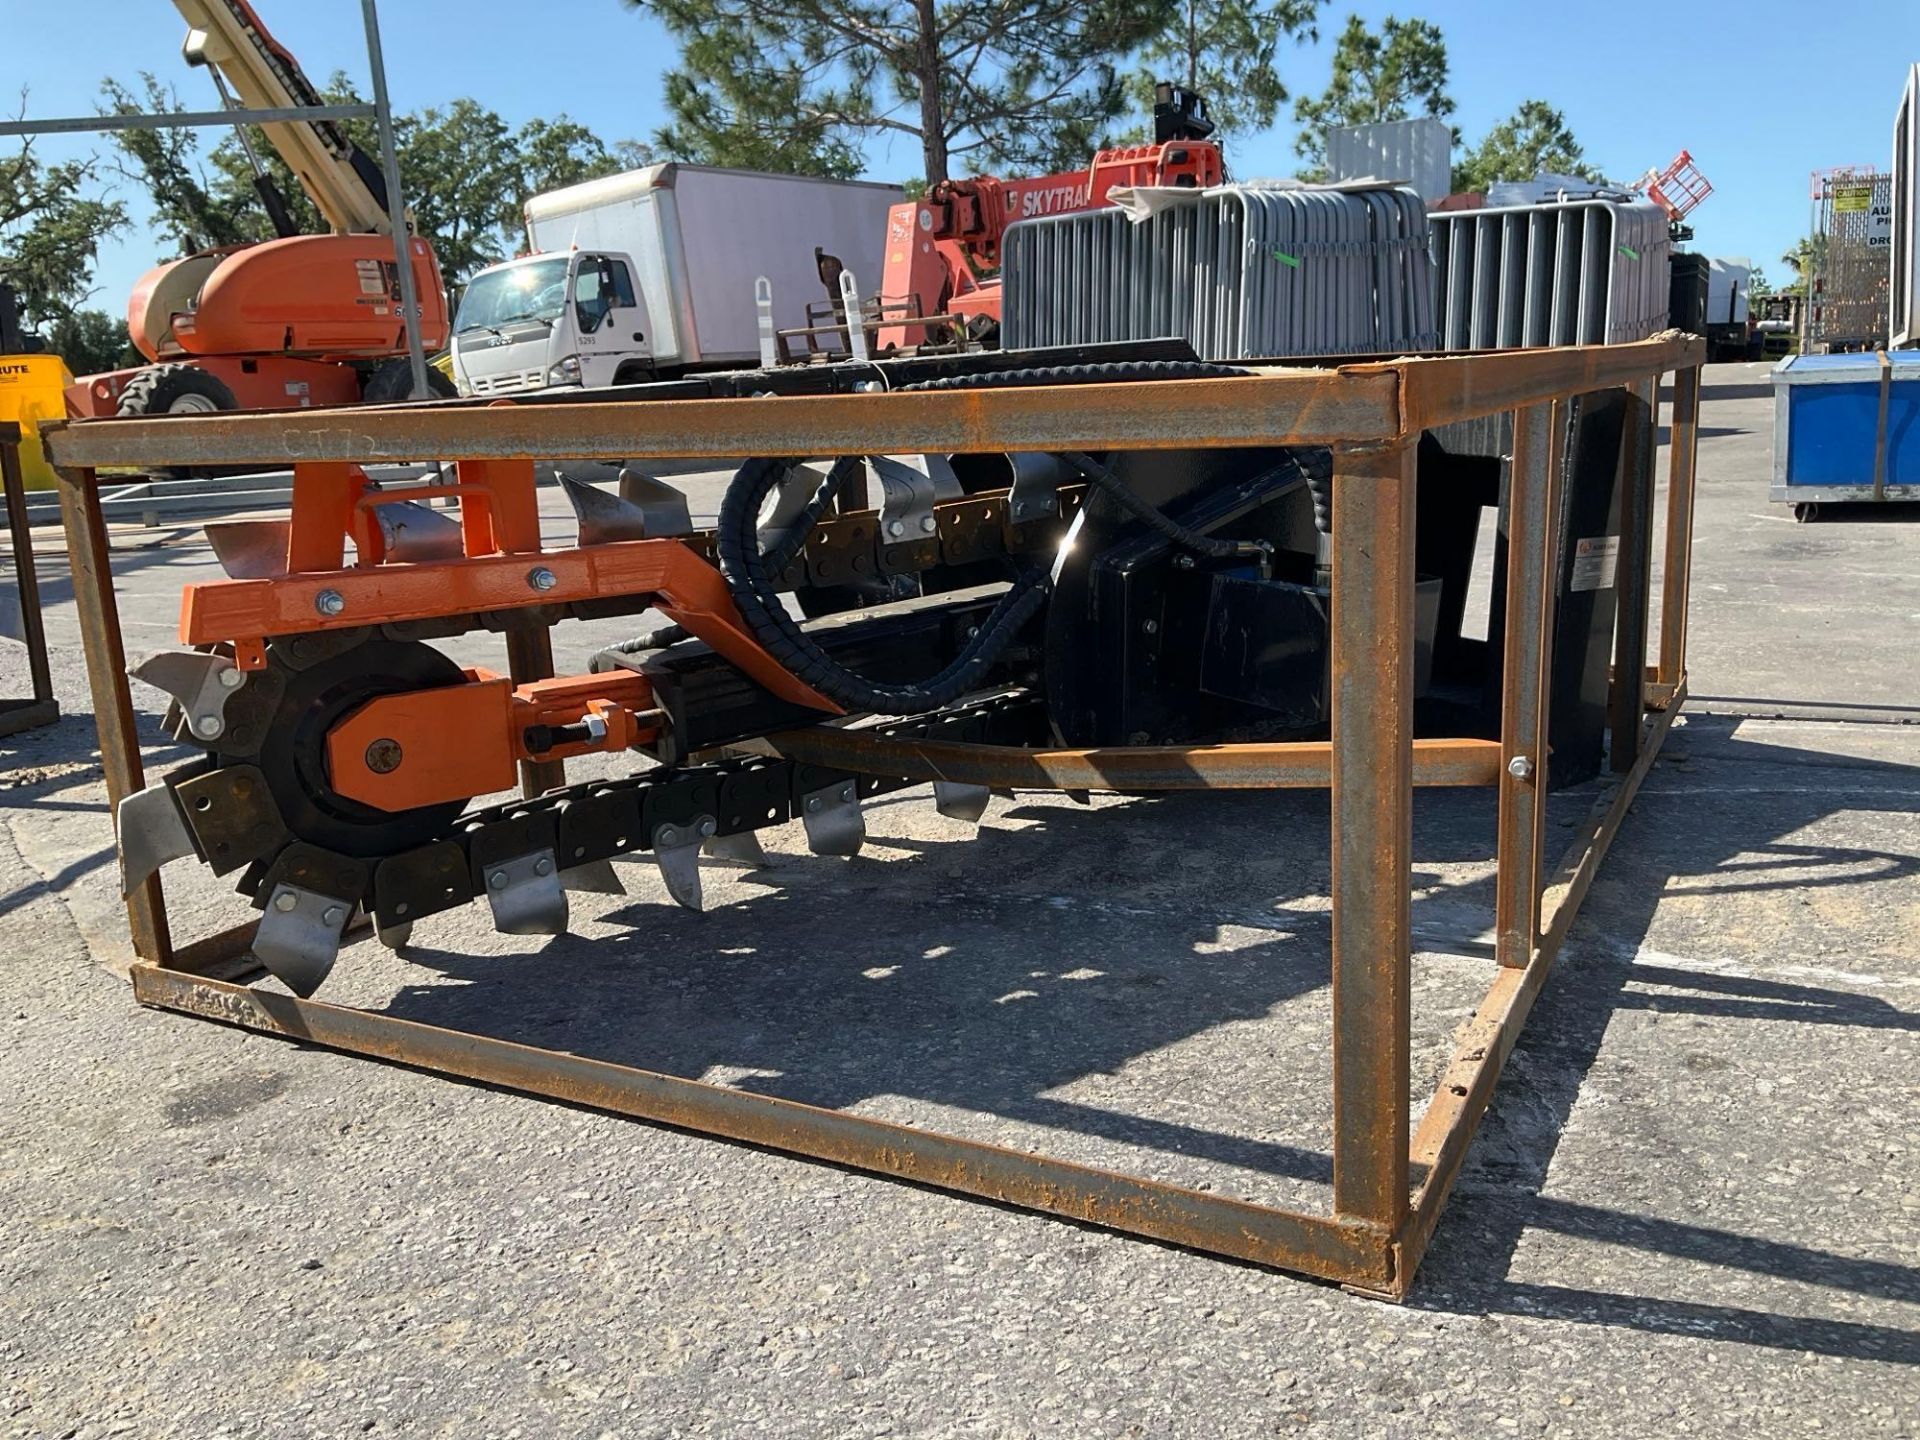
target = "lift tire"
x: 392, y: 382
x: 176, y: 390
x: 179, y: 390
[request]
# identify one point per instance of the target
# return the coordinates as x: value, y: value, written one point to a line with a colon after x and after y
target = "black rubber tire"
x: 392, y: 382
x: 158, y: 389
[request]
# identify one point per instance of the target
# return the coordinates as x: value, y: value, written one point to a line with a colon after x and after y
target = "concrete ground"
x: 1694, y: 1208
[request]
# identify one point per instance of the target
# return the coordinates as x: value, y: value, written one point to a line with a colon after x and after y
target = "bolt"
x: 846, y: 792
x: 543, y: 866
x: 330, y: 602
x: 895, y: 527
x: 401, y: 908
x: 1520, y: 767
x: 285, y: 901
x: 707, y: 827
x: 813, y: 802
x: 1183, y: 562
x: 207, y: 725
x: 1152, y: 627
x: 232, y: 679
x: 498, y: 879
x: 383, y: 756
x: 927, y: 523
x: 333, y: 915
x: 541, y: 578
x: 667, y: 836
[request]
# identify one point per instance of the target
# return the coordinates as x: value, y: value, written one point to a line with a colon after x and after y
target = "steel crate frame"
x: 1390, y: 1178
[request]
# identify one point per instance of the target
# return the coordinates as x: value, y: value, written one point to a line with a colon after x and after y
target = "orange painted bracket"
x: 684, y: 586
x: 425, y: 747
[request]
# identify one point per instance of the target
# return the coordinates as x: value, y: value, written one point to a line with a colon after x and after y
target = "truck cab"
x: 554, y: 320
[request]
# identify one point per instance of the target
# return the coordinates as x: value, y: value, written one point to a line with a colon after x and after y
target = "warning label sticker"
x: 1595, y: 558
x: 372, y: 281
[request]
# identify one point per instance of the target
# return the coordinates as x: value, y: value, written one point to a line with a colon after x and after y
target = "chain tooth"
x: 743, y: 848
x: 961, y: 802
x: 676, y: 849
x: 833, y: 818
x: 298, y: 938
x: 595, y: 877
x: 526, y: 896
x: 152, y: 831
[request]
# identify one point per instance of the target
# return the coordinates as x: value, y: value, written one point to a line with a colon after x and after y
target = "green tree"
x: 195, y: 209
x: 799, y: 85
x: 1533, y: 140
x: 465, y: 171
x: 1805, y: 259
x: 1397, y: 74
x: 1757, y: 283
x: 1227, y: 50
x: 50, y: 233
x: 91, y: 341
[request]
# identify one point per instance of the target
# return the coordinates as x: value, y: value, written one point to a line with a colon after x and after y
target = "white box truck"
x: 651, y: 274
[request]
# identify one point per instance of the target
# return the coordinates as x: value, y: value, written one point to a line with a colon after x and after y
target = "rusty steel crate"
x: 1391, y: 1176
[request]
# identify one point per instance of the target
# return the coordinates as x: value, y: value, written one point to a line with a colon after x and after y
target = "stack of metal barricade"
x: 1571, y: 272
x: 1241, y: 271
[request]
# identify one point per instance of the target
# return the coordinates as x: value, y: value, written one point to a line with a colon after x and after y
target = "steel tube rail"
x: 1372, y: 692
x: 1287, y: 765
x: 1533, y: 570
x: 184, y: 120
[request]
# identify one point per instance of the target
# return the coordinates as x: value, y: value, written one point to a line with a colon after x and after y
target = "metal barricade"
x: 1576, y: 272
x: 1241, y: 272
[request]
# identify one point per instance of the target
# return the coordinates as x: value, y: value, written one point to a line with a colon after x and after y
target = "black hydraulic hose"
x: 751, y: 582
x: 1081, y: 375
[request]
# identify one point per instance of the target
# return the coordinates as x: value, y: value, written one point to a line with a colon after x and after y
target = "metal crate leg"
x: 1681, y: 443
x: 1373, y: 630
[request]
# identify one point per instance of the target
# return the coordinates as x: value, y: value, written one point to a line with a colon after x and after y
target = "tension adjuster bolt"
x: 541, y: 578
x: 1520, y: 767
x: 330, y: 602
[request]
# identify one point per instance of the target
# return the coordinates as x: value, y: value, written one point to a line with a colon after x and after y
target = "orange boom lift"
x: 296, y: 321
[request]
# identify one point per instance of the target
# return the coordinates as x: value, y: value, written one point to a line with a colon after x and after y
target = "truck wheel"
x: 178, y: 390
x: 393, y: 381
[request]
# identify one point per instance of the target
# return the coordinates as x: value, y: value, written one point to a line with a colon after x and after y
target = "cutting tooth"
x: 676, y: 848
x: 1079, y: 797
x: 526, y: 895
x: 250, y: 549
x: 298, y: 937
x: 152, y: 832
x: 1007, y: 795
x: 645, y: 509
x: 412, y: 531
x: 741, y: 849
x: 199, y: 681
x: 595, y: 877
x: 960, y: 802
x: 665, y: 505
x: 395, y: 937
x: 835, y: 824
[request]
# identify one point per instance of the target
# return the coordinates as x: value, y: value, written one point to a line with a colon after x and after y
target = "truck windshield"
x: 533, y: 290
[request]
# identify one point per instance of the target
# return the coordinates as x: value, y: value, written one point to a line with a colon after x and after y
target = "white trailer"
x: 652, y: 273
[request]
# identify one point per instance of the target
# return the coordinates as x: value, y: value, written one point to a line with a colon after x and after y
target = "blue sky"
x: 1637, y: 83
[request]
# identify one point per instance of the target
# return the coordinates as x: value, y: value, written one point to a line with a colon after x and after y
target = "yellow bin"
x: 31, y: 389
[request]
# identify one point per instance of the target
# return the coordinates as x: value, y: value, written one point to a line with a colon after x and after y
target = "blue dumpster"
x: 1846, y: 427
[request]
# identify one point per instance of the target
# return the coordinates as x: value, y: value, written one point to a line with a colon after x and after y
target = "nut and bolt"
x: 207, y: 725
x: 896, y: 527
x: 666, y: 835
x: 497, y: 880
x: 333, y: 915
x: 1520, y: 767
x: 330, y: 602
x: 541, y: 578
x: 1152, y: 627
x: 383, y: 756
x: 707, y: 827
x: 232, y: 679
x: 928, y: 523
x: 285, y: 901
x: 543, y: 866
